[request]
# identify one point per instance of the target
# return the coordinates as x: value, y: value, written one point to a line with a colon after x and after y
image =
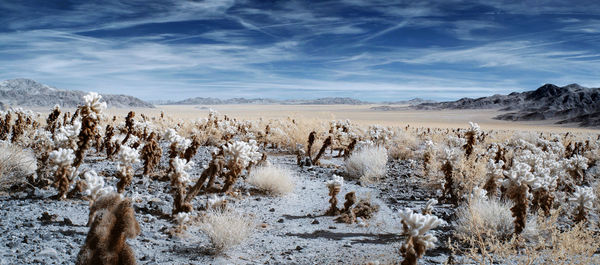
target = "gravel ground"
x: 35, y: 229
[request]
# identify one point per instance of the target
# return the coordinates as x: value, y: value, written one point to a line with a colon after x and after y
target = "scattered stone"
x: 315, y: 222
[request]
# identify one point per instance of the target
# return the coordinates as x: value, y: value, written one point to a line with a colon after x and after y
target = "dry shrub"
x: 542, y: 242
x: 485, y: 218
x: 16, y: 164
x: 368, y: 164
x: 225, y: 228
x: 272, y: 179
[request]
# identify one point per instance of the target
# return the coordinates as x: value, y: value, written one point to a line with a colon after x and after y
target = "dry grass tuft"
x: 368, y: 164
x: 485, y: 218
x: 16, y: 164
x: 225, y: 228
x: 272, y: 179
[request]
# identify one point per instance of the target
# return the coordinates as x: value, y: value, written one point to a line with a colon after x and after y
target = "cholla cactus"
x: 335, y: 186
x: 428, y: 155
x: 66, y: 137
x: 90, y: 117
x: 112, y: 221
x: 95, y: 186
x: 62, y: 159
x: 576, y: 166
x: 429, y: 206
x: 151, y: 153
x: 416, y: 226
x: 379, y: 134
x: 471, y: 136
x: 494, y: 174
x: 178, y: 143
x: 516, y: 184
x: 92, y: 102
x: 452, y: 157
x: 242, y: 152
x: 239, y: 156
x: 127, y: 157
x: 179, y: 179
x: 216, y: 203
x: 584, y: 198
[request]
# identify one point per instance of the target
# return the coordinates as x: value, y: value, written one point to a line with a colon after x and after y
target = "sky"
x: 376, y: 50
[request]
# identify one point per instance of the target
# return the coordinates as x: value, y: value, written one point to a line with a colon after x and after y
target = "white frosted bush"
x: 272, y: 179
x: 225, y: 228
x: 368, y: 164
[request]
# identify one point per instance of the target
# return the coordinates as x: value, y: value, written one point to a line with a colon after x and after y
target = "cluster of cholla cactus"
x: 62, y: 159
x: 127, y: 158
x: 112, y: 221
x: 416, y: 226
x: 584, y: 199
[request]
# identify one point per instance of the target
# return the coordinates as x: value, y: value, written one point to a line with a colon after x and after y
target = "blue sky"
x: 370, y: 50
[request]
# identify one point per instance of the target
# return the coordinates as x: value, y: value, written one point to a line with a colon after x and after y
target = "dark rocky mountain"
x: 29, y: 93
x: 568, y: 104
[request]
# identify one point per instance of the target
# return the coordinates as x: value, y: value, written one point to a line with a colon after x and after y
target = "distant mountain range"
x: 568, y: 104
x: 318, y: 101
x: 29, y: 93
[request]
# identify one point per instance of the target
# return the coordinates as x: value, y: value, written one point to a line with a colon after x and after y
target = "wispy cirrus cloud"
x: 376, y: 50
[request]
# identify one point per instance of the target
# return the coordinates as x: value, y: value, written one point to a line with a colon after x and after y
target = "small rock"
x: 280, y: 220
x: 272, y: 210
x: 263, y: 225
x: 47, y: 218
x: 315, y: 222
x: 49, y: 252
x: 67, y: 221
x: 299, y: 248
x: 332, y: 227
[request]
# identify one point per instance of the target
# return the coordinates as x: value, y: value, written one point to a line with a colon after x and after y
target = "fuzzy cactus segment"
x: 416, y: 226
x: 95, y: 185
x: 584, y: 199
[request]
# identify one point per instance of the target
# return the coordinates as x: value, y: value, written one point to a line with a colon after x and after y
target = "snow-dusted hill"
x: 27, y: 92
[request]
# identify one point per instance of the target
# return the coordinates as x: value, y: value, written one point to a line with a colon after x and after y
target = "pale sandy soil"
x: 361, y: 114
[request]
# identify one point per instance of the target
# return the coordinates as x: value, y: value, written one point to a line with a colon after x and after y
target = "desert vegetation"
x: 463, y: 195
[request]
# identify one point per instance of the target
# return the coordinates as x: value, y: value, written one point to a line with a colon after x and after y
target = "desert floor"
x: 361, y: 114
